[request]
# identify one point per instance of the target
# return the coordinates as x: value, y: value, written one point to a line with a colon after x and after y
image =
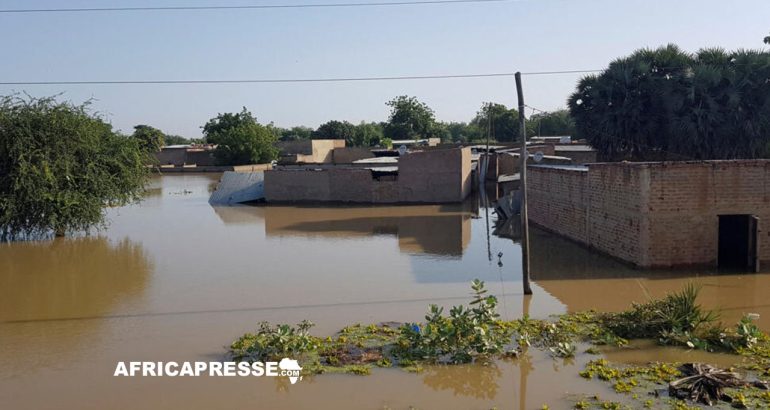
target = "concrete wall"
x: 423, y: 177
x: 652, y: 214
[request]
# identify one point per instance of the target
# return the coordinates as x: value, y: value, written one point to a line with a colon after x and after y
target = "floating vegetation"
x: 476, y: 334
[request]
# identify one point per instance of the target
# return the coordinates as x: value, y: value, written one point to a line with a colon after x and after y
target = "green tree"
x: 336, y: 130
x: 296, y: 133
x: 150, y: 139
x: 240, y: 139
x: 669, y: 104
x: 551, y: 123
x: 367, y: 134
x: 176, y: 140
x: 60, y: 166
x: 767, y: 39
x: 497, y: 121
x: 458, y: 131
x: 410, y: 119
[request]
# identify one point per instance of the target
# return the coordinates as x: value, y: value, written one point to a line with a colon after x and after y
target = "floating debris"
x: 704, y: 384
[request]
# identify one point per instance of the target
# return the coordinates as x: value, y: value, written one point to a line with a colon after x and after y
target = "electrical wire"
x: 293, y: 80
x: 247, y: 7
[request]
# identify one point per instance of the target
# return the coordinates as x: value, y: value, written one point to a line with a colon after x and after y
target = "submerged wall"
x: 686, y: 200
x: 423, y: 177
x: 652, y: 214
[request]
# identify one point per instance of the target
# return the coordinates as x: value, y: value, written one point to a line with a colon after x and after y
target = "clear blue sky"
x: 526, y: 35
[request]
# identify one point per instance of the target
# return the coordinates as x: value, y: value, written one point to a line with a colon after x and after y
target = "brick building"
x: 439, y: 176
x: 663, y: 214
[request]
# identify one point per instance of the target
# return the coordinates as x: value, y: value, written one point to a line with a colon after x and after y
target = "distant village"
x: 649, y: 214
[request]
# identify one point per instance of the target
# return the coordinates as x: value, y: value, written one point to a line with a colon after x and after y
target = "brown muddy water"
x: 174, y: 279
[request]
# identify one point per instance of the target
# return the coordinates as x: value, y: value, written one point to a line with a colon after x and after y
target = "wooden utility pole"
x: 523, y: 156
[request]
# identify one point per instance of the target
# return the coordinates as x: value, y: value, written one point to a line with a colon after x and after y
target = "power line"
x: 249, y: 7
x: 295, y: 80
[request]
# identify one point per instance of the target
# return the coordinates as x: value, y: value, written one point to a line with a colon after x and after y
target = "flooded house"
x: 660, y: 214
x: 186, y: 155
x: 437, y: 176
x: 326, y: 151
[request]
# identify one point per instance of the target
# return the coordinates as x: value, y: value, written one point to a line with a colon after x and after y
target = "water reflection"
x: 583, y: 279
x: 67, y: 278
x: 478, y: 381
x: 45, y: 287
x: 435, y: 230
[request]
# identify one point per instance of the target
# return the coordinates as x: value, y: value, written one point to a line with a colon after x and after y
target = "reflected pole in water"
x: 524, y: 365
x: 523, y: 156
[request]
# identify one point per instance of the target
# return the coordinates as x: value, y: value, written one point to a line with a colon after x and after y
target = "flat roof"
x: 377, y: 160
x: 562, y: 167
x: 575, y: 147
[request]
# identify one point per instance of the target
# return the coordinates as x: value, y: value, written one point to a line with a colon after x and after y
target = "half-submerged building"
x: 662, y: 214
x: 436, y: 176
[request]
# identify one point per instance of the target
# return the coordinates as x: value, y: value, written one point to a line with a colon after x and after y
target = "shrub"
x: 467, y: 333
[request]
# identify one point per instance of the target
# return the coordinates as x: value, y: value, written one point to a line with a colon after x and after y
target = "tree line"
x: 241, y: 139
x: 669, y: 104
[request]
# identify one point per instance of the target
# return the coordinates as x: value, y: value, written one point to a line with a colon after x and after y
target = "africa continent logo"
x: 292, y: 369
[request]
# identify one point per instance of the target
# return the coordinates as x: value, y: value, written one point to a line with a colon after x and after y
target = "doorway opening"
x: 738, y: 243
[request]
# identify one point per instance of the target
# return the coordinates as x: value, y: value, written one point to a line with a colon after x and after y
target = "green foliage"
x: 462, y: 132
x: 668, y: 104
x: 676, y: 313
x: 386, y: 143
x: 368, y: 134
x: 296, y: 133
x: 336, y: 130
x: 150, y: 139
x: 411, y: 119
x: 551, y: 123
x: 497, y: 121
x: 240, y: 139
x: 767, y: 40
x: 467, y: 333
x: 272, y: 343
x: 176, y: 140
x: 60, y: 166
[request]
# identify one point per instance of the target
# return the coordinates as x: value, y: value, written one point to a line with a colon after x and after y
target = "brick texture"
x: 652, y: 214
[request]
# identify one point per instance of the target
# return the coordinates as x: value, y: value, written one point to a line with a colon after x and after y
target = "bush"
x: 60, y: 166
x: 274, y: 342
x: 467, y: 333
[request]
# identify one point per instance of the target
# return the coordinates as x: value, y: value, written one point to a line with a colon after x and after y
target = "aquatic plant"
x: 274, y: 342
x: 676, y: 312
x: 466, y: 334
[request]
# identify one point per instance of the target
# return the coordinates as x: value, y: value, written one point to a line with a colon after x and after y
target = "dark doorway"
x: 738, y: 243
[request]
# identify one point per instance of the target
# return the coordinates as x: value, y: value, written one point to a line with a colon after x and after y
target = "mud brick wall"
x: 601, y: 207
x: 578, y: 157
x: 423, y: 177
x: 652, y: 214
x: 617, y: 215
x: 438, y: 176
x: 686, y: 200
x: 557, y: 201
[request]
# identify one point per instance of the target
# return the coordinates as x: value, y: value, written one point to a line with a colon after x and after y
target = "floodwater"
x: 173, y: 279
